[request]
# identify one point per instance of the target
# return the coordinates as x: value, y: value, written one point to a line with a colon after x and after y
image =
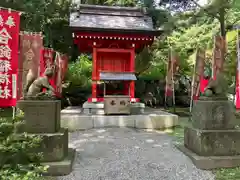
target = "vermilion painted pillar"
x: 94, y: 74
x: 126, y: 88
x: 132, y: 69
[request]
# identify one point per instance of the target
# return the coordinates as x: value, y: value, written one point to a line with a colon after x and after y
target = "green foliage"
x: 80, y: 72
x: 143, y: 61
x: 190, y: 31
x: 227, y: 174
x: 47, y: 16
x: 17, y: 159
x: 186, y: 40
x: 184, y: 31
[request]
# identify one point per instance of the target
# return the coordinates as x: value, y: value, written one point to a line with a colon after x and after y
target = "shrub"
x: 17, y: 161
x: 80, y: 72
x: 78, y: 78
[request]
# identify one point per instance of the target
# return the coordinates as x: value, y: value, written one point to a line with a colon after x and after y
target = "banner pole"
x: 235, y: 99
x: 13, y: 112
x: 166, y: 81
x: 173, y: 81
x: 191, y: 102
x: 213, y: 59
x: 192, y: 85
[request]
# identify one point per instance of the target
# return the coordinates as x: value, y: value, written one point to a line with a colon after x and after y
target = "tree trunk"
x: 222, y: 22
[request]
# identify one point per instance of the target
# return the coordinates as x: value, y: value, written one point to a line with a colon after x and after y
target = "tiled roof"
x: 109, y: 17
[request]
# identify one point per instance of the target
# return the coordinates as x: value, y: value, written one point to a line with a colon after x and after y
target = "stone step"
x: 151, y: 120
x: 93, y: 111
x: 212, y: 142
x: 61, y: 168
x: 98, y: 108
x: 54, y: 146
x: 210, y: 162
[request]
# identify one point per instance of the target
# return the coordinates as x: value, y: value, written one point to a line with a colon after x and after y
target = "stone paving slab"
x: 73, y: 119
x: 130, y: 154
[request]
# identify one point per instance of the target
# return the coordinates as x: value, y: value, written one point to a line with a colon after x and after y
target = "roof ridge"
x: 108, y: 14
x: 113, y: 8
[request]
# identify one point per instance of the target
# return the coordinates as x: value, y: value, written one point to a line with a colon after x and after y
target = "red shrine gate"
x: 114, y: 35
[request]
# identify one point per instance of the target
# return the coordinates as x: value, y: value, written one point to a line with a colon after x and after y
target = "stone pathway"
x: 129, y: 154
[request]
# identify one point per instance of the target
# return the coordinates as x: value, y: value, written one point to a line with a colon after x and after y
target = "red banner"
x: 47, y: 62
x: 64, y: 65
x: 57, y: 77
x: 203, y: 84
x: 198, y: 73
x: 29, y: 54
x: 219, y: 51
x: 47, y: 59
x: 9, y: 39
x: 60, y: 63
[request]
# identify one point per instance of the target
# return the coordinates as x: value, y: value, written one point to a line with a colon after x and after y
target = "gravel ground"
x: 129, y: 154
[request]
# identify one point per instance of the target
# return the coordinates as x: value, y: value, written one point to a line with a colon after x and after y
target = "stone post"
x: 42, y: 117
x: 212, y: 141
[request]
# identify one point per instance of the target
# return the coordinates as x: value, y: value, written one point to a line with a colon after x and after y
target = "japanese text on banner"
x: 29, y: 59
x: 9, y: 30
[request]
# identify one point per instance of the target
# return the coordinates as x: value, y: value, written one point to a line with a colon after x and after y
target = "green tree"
x: 47, y: 16
x: 216, y: 9
x: 18, y: 160
x: 192, y: 30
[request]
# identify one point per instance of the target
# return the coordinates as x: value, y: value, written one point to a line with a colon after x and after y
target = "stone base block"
x: 76, y: 122
x: 212, y: 142
x: 90, y: 105
x: 61, y: 168
x: 113, y: 121
x: 210, y: 162
x: 212, y: 114
x: 137, y: 108
x: 73, y: 119
x: 41, y: 115
x: 98, y: 108
x: 71, y: 110
x: 54, y: 146
x: 94, y: 111
x: 93, y: 108
x: 156, y: 121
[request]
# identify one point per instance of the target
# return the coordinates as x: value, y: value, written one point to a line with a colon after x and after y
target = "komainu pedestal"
x: 42, y: 117
x: 212, y: 141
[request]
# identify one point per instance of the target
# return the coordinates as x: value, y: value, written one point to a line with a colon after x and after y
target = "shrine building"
x: 113, y: 35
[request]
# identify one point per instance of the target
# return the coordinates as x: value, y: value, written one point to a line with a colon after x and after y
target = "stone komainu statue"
x: 34, y: 87
x: 216, y: 88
